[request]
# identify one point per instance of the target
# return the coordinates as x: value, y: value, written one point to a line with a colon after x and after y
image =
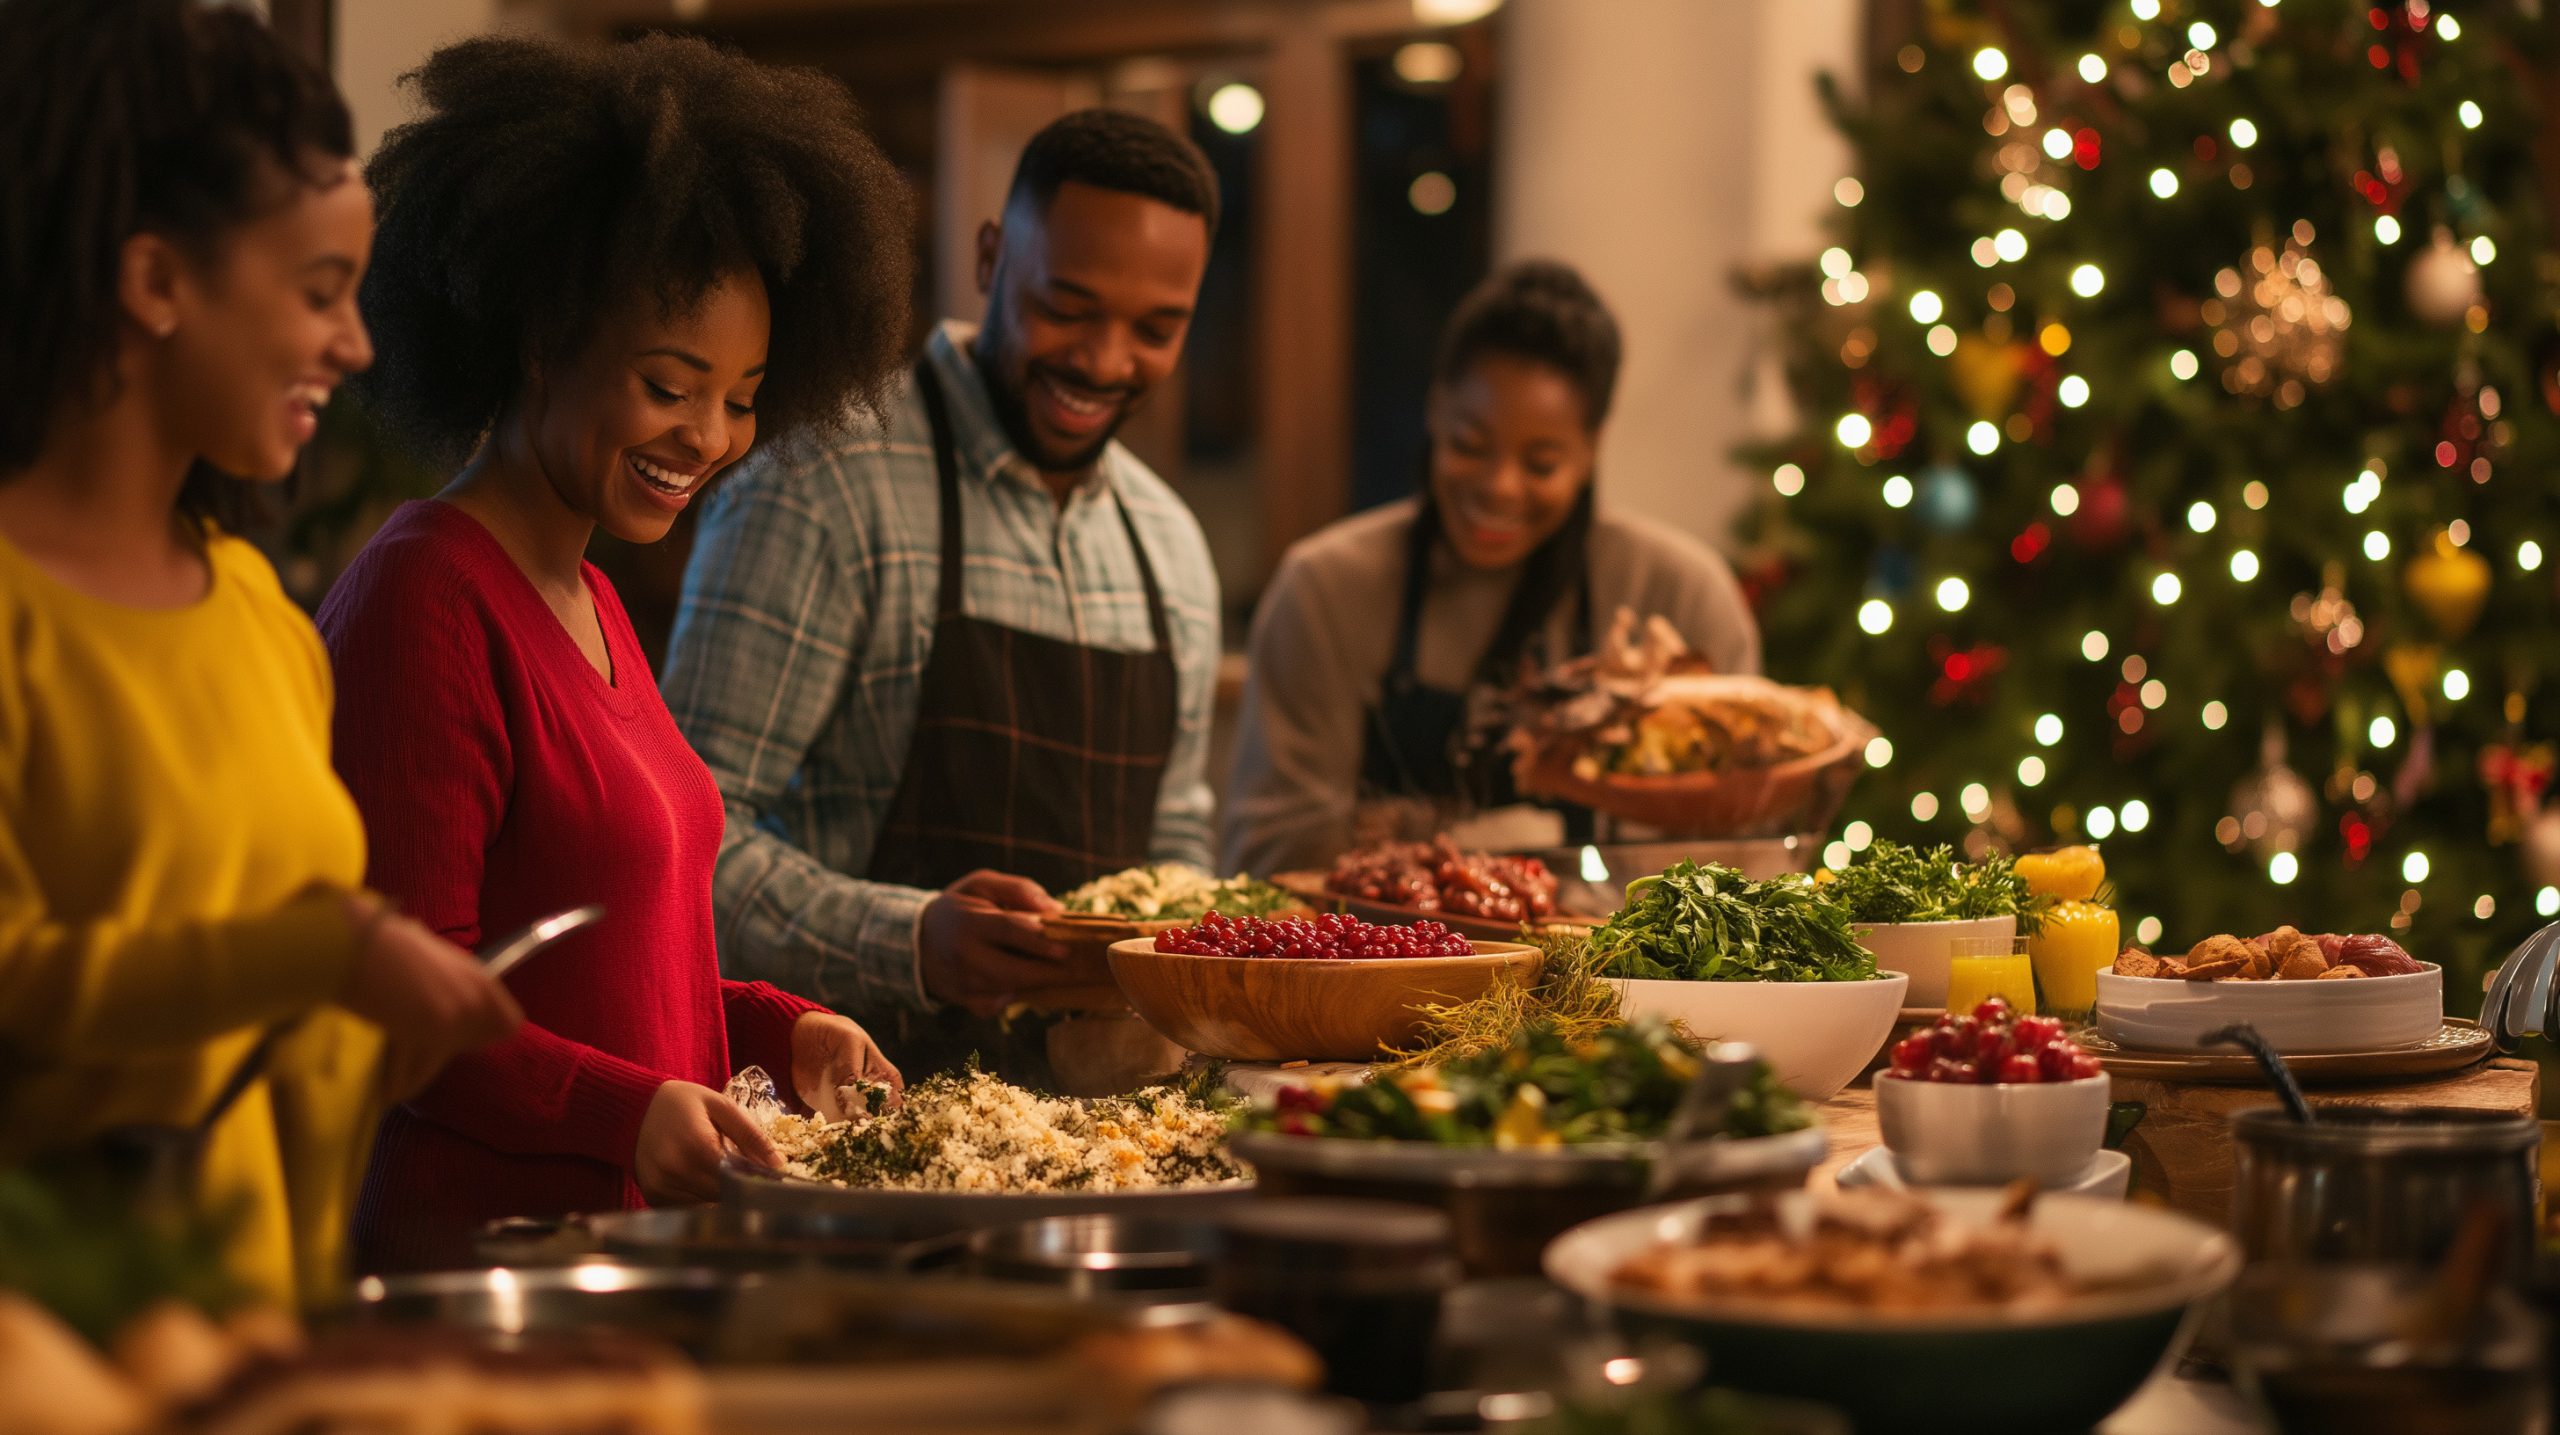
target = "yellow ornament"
x: 2068, y: 874
x: 2412, y: 668
x: 1986, y: 375
x: 2450, y: 584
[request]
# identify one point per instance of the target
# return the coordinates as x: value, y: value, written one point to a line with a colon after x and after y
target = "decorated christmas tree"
x: 2176, y: 460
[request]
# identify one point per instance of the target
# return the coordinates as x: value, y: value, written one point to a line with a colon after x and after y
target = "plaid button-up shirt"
x: 798, y: 659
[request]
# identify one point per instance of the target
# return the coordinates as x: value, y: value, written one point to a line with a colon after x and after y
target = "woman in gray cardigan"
x: 1380, y: 633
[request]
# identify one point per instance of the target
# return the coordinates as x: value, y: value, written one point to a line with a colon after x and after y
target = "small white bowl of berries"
x: 1990, y: 1096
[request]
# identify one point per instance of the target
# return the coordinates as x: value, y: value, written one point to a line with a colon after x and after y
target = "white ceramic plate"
x: 1817, y: 1036
x: 2360, y: 1014
x: 2109, y: 1176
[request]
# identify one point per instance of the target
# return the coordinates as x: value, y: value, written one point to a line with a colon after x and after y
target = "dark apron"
x: 1032, y: 755
x: 1415, y: 742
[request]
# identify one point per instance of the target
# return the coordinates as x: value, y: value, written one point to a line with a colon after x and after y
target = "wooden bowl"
x: 1801, y: 794
x: 1309, y: 887
x: 1089, y: 939
x: 1292, y: 1009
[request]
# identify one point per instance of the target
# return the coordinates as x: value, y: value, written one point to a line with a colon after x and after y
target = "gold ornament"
x: 2277, y: 325
x: 2412, y: 668
x: 2541, y: 854
x: 1986, y: 374
x: 2450, y: 584
x: 2442, y: 283
x: 2273, y: 808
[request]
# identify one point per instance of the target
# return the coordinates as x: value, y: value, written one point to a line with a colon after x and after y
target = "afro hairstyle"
x: 543, y: 184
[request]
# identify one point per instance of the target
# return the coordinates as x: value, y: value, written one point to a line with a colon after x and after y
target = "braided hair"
x: 1543, y: 312
x: 542, y: 185
x: 125, y: 117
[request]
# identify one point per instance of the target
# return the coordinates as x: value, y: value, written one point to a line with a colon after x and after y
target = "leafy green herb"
x: 1539, y: 1089
x: 76, y: 1241
x: 1894, y: 883
x: 1713, y: 924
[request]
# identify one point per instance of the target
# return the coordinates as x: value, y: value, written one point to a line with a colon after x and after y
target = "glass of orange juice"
x: 2078, y: 942
x: 1990, y: 967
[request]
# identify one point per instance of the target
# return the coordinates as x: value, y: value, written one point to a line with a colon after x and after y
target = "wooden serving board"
x: 1309, y: 887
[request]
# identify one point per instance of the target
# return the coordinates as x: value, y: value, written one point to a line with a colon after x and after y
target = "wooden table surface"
x: 2181, y: 1149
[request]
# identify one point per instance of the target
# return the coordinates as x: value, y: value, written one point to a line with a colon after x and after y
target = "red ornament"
x: 2384, y: 185
x: 1764, y: 576
x: 2358, y: 836
x: 2084, y: 147
x: 1893, y: 414
x: 2104, y: 514
x: 1964, y: 674
x: 2031, y: 542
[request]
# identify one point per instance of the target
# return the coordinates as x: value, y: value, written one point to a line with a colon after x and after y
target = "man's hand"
x: 830, y: 1051
x: 980, y: 943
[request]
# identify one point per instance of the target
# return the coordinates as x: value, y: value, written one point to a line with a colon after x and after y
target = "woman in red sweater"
x: 580, y: 261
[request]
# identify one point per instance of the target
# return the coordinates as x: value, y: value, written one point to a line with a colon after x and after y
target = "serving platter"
x: 916, y: 1215
x: 2456, y: 1044
x: 1310, y: 888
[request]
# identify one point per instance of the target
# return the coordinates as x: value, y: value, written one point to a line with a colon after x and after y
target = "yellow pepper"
x: 2078, y: 941
x: 1523, y: 1123
x: 2069, y: 874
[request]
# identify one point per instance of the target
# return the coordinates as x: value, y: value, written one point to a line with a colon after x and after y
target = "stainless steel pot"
x: 2378, y: 1184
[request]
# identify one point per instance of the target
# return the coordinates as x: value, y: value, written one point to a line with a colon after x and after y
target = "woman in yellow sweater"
x: 181, y: 234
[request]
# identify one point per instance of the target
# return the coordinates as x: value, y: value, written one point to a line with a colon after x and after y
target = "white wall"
x: 1658, y: 145
x: 378, y: 41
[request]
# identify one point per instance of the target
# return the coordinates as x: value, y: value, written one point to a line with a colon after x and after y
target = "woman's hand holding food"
x: 829, y: 1052
x: 678, y: 1156
x: 431, y: 998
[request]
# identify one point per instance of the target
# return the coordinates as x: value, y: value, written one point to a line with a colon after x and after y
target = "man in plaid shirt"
x: 944, y: 670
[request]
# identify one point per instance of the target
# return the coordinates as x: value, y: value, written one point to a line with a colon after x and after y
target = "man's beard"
x: 1013, y: 413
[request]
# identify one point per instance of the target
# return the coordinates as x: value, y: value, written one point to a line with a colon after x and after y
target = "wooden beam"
x: 868, y: 36
x: 1303, y: 285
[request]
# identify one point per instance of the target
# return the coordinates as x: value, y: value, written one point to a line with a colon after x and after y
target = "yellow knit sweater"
x: 173, y: 850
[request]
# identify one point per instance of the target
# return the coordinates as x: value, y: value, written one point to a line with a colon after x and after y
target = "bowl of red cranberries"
x: 1988, y: 1096
x: 1328, y: 988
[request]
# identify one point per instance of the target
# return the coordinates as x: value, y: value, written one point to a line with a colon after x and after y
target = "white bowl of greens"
x: 1769, y: 962
x: 1915, y: 908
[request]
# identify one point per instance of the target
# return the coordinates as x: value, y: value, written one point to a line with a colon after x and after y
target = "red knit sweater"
x: 502, y: 778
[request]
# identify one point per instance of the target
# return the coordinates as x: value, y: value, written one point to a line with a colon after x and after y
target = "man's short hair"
x: 1113, y: 149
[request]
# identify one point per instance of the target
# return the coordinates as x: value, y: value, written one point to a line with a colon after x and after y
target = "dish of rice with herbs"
x: 971, y: 1131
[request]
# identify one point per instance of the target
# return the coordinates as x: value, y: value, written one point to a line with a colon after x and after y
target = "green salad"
x: 1712, y: 924
x: 1894, y: 883
x: 1544, y: 1089
x: 1174, y: 892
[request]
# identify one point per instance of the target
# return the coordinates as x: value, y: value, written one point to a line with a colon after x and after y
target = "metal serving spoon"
x: 1724, y: 1069
x: 503, y: 957
x: 2519, y: 997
